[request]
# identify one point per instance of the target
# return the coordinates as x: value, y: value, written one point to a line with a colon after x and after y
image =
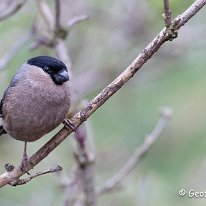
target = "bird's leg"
x: 25, y: 156
x: 25, y: 159
x: 69, y: 125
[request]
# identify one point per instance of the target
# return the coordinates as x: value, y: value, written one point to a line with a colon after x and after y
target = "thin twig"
x: 117, y: 178
x: 4, y: 61
x: 44, y: 35
x: 54, y: 21
x: 63, y: 54
x: 167, y: 14
x: 24, y: 181
x: 76, y: 20
x: 46, y: 14
x: 57, y: 14
x: 8, y: 8
x: 104, y: 95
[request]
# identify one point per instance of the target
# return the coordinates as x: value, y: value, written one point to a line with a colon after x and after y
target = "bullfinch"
x: 36, y: 100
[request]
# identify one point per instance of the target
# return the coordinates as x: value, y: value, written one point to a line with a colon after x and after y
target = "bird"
x: 36, y: 101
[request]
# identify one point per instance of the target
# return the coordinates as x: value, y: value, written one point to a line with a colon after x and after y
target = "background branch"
x: 76, y: 20
x: 106, y: 93
x: 46, y: 14
x: 4, y: 61
x: 10, y: 7
x: 57, y: 13
x: 114, y: 181
x: 85, y: 158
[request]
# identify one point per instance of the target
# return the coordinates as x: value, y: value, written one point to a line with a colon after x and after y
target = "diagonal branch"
x: 116, y: 179
x: 105, y: 94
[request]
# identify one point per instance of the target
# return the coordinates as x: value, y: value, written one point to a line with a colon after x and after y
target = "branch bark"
x: 105, y: 94
x: 167, y: 13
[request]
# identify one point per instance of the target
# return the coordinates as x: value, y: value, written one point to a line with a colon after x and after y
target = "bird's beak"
x: 64, y: 76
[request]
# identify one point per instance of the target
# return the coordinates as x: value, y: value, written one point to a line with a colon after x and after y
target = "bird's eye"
x: 46, y: 69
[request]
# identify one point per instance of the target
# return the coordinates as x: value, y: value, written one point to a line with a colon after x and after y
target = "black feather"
x: 46, y: 62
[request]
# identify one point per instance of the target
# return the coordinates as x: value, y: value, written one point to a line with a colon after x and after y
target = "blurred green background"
x: 107, y: 43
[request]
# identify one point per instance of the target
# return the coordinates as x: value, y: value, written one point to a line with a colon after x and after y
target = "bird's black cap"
x: 46, y: 61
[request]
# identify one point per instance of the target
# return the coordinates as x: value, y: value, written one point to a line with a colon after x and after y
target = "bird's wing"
x: 2, y: 100
x: 1, y: 106
x: 2, y: 130
x: 13, y: 83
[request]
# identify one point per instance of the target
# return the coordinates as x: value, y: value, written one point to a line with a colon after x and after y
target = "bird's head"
x: 52, y: 66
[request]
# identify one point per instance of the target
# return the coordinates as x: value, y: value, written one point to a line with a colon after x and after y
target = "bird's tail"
x: 2, y: 130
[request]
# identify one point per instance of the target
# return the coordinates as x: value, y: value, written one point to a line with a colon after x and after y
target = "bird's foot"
x: 69, y: 125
